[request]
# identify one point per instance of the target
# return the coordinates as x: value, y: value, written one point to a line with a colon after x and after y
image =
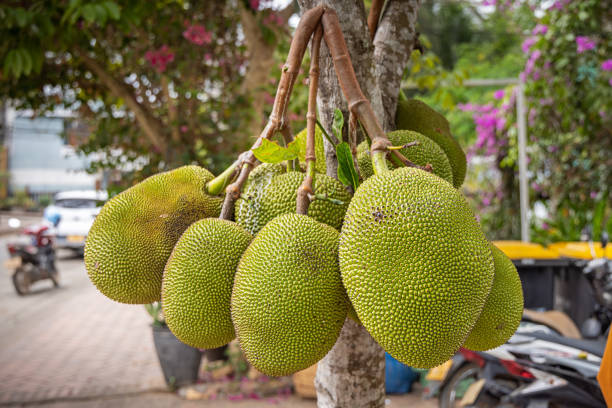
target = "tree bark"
x: 352, y: 374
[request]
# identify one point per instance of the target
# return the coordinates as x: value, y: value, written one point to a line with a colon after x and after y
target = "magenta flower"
x: 610, y: 82
x: 528, y: 43
x: 160, y: 58
x: 197, y: 34
x: 584, y: 43
x: 499, y: 94
x: 540, y: 29
x: 489, y: 2
x: 593, y: 195
x: 560, y: 4
x: 607, y: 65
x: 254, y: 4
x: 184, y: 129
x: 273, y: 18
x: 545, y: 226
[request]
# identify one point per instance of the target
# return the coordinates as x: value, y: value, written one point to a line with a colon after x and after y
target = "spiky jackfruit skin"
x: 416, y: 115
x: 279, y: 197
x: 247, y: 207
x: 320, y: 166
x: 503, y: 310
x: 131, y: 239
x: 288, y: 303
x: 198, y: 280
x: 415, y: 264
x: 426, y: 152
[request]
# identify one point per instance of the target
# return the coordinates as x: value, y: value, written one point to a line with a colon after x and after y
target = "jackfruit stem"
x: 278, y: 119
x: 305, y: 189
x: 288, y: 138
x: 379, y: 162
x: 218, y: 184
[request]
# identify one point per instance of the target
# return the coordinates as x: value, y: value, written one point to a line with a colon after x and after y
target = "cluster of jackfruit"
x: 404, y: 256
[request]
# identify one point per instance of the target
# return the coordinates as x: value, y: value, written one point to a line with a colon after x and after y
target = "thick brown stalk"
x: 357, y: 102
x: 305, y: 191
x: 374, y: 16
x: 278, y: 118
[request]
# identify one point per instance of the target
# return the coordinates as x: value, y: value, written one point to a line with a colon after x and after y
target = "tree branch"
x: 374, y: 16
x: 150, y: 125
x: 392, y: 47
x: 278, y: 117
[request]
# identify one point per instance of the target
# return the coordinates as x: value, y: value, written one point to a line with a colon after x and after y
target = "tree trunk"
x: 352, y: 375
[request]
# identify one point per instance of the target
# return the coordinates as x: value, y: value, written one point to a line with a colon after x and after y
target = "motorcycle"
x: 33, y: 261
x: 539, y: 366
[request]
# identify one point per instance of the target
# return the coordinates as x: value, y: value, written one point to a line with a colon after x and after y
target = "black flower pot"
x: 180, y: 363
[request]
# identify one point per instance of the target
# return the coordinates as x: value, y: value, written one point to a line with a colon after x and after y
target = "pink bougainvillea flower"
x: 197, y: 34
x: 607, y: 65
x: 184, y: 128
x: 499, y: 94
x: 273, y: 19
x: 160, y: 58
x: 593, y: 194
x: 560, y: 4
x: 540, y: 29
x: 254, y: 4
x: 489, y: 2
x: 528, y: 43
x: 545, y: 226
x: 610, y: 82
x: 584, y: 43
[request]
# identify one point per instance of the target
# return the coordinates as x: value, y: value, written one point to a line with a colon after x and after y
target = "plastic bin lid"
x: 525, y: 250
x: 580, y: 250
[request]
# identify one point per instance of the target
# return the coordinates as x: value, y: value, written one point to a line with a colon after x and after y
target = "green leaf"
x: 27, y: 61
x: 338, y: 124
x: 89, y: 13
x: 113, y: 9
x: 270, y: 152
x: 21, y: 16
x: 101, y: 14
x: 347, y: 173
x: 17, y: 63
x: 8, y: 62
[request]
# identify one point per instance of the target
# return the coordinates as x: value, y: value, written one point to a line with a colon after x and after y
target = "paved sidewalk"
x: 72, y: 342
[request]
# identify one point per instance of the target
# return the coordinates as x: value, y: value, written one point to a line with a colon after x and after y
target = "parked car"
x: 76, y: 211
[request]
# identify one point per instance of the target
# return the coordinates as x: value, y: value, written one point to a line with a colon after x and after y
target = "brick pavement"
x: 73, y: 342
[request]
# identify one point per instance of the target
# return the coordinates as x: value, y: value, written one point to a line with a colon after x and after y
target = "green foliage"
x: 272, y: 152
x: 347, y: 173
x: 188, y: 81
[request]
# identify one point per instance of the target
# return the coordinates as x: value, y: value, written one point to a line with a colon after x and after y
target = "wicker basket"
x: 303, y: 382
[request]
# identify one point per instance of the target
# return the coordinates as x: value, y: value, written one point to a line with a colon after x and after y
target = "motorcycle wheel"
x: 457, y: 384
x: 54, y: 276
x: 21, y: 281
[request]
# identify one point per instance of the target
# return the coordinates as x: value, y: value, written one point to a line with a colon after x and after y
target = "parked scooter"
x: 33, y: 261
x: 538, y: 366
x: 535, y: 369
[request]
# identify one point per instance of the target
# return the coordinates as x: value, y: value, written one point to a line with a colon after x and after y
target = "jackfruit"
x: 503, y: 310
x: 247, y: 206
x: 416, y: 115
x: 288, y: 304
x: 426, y: 152
x: 131, y: 239
x: 198, y: 280
x: 415, y: 264
x: 280, y: 195
x: 320, y: 166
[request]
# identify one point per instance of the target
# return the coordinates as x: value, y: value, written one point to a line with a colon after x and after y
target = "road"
x: 73, y: 348
x: 71, y: 341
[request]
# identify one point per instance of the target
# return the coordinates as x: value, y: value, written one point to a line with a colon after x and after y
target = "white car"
x: 72, y: 213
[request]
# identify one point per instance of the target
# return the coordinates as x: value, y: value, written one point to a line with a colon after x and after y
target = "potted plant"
x: 179, y: 362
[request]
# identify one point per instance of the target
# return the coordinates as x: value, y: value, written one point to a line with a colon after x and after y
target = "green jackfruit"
x: 415, y: 265
x: 198, y: 280
x: 248, y: 205
x: 288, y: 304
x: 320, y: 166
x: 503, y: 310
x: 280, y: 195
x: 131, y: 239
x: 416, y: 115
x: 426, y: 152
